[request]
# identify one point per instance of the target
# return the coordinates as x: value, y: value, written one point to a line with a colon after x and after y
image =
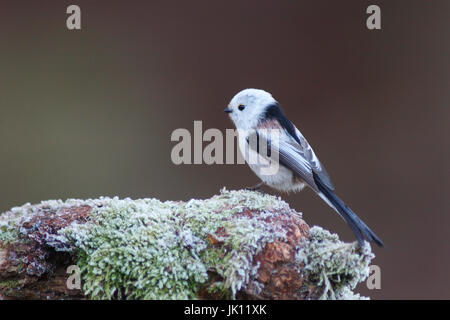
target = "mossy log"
x: 235, y: 245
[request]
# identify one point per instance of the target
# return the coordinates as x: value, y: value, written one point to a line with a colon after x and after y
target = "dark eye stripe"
x: 241, y: 107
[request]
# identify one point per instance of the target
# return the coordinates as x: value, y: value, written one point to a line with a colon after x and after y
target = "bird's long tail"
x: 359, y: 228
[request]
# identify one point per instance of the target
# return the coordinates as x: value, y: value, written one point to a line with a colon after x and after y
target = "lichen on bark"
x: 238, y: 244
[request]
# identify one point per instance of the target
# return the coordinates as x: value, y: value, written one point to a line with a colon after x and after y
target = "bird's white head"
x: 248, y: 107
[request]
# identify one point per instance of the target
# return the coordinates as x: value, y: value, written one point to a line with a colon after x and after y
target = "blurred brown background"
x: 89, y: 113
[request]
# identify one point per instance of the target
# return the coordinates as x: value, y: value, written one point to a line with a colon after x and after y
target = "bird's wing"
x: 297, y: 155
x: 308, y: 153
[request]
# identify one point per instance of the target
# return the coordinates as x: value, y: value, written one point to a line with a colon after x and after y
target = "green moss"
x: 9, y: 226
x: 219, y: 290
x: 335, y: 266
x: 10, y: 284
x: 147, y: 249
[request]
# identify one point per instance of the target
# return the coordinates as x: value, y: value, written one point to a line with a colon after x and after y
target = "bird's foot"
x: 257, y: 188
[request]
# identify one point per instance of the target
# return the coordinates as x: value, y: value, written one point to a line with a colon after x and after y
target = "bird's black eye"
x: 241, y: 107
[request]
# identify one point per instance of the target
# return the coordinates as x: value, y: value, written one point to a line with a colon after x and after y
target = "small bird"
x: 255, y: 111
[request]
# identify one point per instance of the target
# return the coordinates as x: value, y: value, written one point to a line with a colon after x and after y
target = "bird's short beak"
x: 228, y: 110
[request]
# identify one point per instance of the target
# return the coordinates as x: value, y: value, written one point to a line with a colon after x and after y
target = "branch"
x: 238, y: 244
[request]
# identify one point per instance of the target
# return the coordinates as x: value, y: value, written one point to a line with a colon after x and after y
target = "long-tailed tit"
x: 256, y: 113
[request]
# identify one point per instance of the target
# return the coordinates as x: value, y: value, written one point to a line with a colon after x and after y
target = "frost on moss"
x: 148, y: 249
x: 335, y: 266
x: 9, y: 222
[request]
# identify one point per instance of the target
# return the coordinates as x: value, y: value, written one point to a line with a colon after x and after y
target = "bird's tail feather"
x: 359, y: 228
